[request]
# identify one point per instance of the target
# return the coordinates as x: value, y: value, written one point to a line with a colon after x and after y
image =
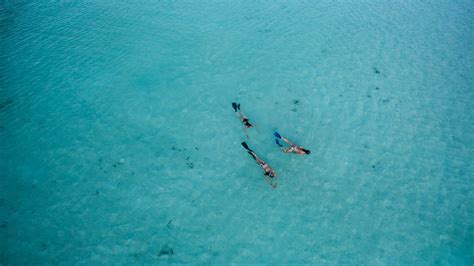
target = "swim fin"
x: 238, y: 106
x: 276, y: 135
x: 244, y: 144
x: 234, y: 105
x: 278, y: 143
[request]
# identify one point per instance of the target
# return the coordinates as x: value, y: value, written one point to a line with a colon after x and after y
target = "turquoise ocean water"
x: 119, y: 144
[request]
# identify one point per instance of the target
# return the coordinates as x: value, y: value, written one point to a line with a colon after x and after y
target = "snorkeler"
x: 270, y: 174
x: 242, y: 117
x: 293, y: 147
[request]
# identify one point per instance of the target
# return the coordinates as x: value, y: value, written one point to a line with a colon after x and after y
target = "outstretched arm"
x: 268, y: 179
x: 246, y: 133
x: 275, y: 182
x: 272, y: 181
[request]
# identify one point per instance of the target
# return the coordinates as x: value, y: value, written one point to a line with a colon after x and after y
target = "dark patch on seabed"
x: 189, y: 164
x: 376, y: 70
x: 42, y: 124
x: 166, y: 250
x: 375, y: 165
x: 174, y: 148
x: 4, y: 224
x: 5, y: 103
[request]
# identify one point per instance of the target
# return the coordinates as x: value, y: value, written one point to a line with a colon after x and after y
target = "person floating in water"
x: 293, y: 147
x: 270, y: 174
x: 242, y: 117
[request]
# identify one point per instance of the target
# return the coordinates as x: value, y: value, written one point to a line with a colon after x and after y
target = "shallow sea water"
x: 119, y: 144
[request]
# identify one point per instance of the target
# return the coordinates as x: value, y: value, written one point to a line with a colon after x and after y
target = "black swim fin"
x: 234, y: 105
x: 244, y: 144
x: 238, y: 106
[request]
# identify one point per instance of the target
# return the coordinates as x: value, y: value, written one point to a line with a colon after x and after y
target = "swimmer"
x: 242, y: 117
x: 293, y: 147
x: 270, y: 174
